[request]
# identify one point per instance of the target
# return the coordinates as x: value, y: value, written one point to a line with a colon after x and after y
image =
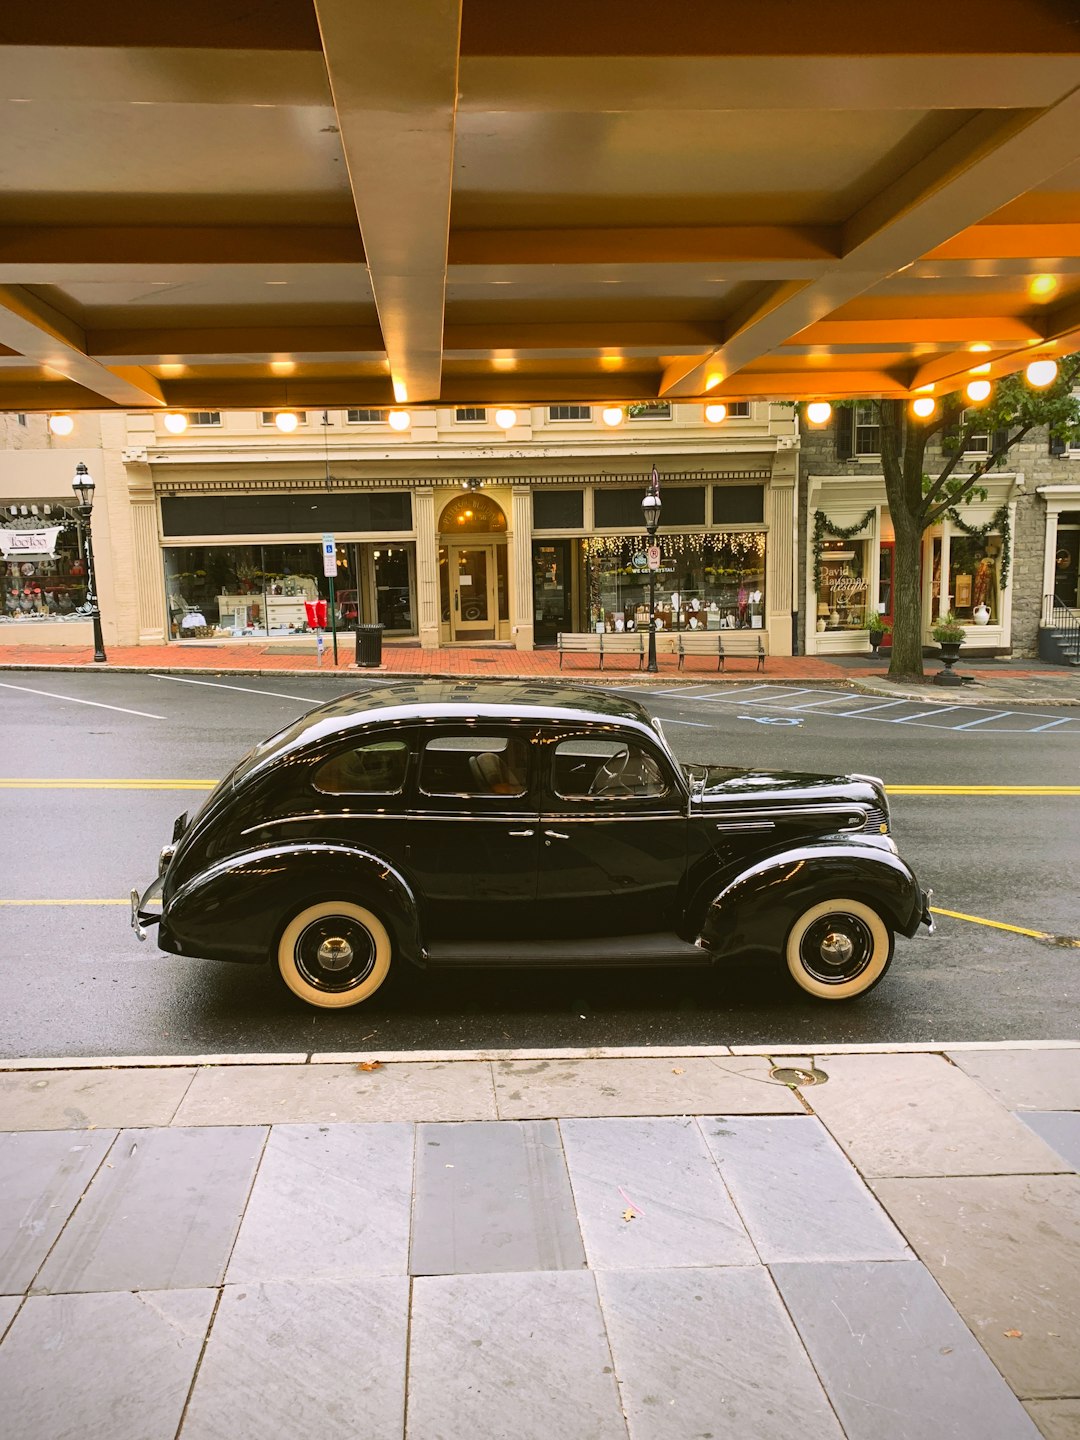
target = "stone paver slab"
x: 662, y: 1172
x: 1056, y: 1419
x: 492, y: 1197
x: 1060, y: 1129
x: 320, y: 1094
x: 521, y: 1356
x: 119, y: 1366
x: 85, y: 1099
x: 42, y: 1175
x: 897, y: 1361
x: 919, y: 1115
x: 797, y: 1192
x: 532, y: 1089
x: 701, y: 1352
x: 161, y: 1214
x: 329, y: 1202
x: 8, y: 1306
x: 1006, y: 1251
x: 1025, y: 1079
x: 325, y: 1360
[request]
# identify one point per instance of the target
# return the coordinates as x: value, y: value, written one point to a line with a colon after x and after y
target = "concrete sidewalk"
x: 1018, y: 681
x: 877, y: 1246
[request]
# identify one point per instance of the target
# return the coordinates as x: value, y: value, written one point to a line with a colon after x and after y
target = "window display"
x: 974, y: 578
x: 706, y: 581
x: 843, y: 588
x: 42, y: 585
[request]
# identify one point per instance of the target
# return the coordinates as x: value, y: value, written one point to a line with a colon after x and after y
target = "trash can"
x: 369, y: 645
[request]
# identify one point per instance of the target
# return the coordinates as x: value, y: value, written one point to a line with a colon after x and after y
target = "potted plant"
x: 878, y: 629
x: 950, y: 635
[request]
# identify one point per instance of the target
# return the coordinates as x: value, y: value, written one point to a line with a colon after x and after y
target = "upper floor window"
x: 20, y: 417
x: 978, y: 442
x: 569, y: 412
x: 365, y: 417
x: 649, y: 410
x: 204, y: 417
x: 269, y: 417
x: 470, y: 415
x: 738, y: 410
x: 866, y: 433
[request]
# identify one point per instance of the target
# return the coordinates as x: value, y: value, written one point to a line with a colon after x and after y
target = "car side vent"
x: 877, y: 822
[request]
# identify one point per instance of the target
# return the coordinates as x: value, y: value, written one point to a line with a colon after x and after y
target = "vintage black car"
x: 485, y: 823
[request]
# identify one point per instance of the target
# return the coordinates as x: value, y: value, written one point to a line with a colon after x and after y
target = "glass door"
x: 551, y: 590
x: 472, y: 592
x: 885, y: 587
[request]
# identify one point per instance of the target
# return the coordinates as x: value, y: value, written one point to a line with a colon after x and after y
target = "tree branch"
x: 933, y: 513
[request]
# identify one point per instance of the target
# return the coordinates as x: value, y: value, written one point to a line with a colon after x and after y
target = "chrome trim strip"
x: 847, y: 812
x: 509, y: 817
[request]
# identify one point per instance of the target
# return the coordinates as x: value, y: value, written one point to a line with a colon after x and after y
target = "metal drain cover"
x: 788, y: 1075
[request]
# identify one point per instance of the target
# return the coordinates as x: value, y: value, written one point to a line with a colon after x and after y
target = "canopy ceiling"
x: 313, y: 203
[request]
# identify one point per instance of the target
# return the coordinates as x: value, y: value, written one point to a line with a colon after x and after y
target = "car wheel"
x: 838, y: 949
x: 334, y: 954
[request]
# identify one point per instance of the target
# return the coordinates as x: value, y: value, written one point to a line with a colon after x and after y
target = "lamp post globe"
x: 83, y: 486
x: 650, y: 510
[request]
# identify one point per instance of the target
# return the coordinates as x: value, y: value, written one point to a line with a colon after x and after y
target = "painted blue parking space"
x: 782, y: 704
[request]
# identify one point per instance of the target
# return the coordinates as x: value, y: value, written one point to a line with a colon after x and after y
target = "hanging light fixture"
x: 286, y: 421
x: 399, y: 420
x: 1041, y: 373
x: 1042, y: 285
x: 923, y: 407
x: 818, y: 412
x: 613, y: 415
x: 175, y: 421
x: 715, y: 413
x: 978, y: 391
x: 506, y: 419
x: 61, y: 424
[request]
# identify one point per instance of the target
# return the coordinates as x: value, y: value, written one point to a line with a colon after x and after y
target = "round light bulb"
x: 980, y: 369
x: 1041, y: 373
x: 61, y: 424
x: 175, y: 422
x: 506, y: 419
x: 715, y: 413
x: 613, y: 415
x: 818, y: 412
x: 286, y: 421
x: 1043, y: 285
x: 398, y: 420
x: 980, y: 345
x: 978, y: 391
x: 924, y: 407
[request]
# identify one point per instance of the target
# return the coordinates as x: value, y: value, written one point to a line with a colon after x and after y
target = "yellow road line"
x: 994, y: 924
x: 65, y: 902
x: 107, y: 784
x: 983, y: 789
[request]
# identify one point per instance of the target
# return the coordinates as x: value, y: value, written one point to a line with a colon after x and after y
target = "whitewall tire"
x: 334, y: 954
x: 838, y: 949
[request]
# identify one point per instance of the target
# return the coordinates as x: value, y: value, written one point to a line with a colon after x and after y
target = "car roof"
x: 462, y: 700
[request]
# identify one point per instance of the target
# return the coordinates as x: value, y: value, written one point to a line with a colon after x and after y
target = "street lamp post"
x: 650, y: 509
x: 83, y: 485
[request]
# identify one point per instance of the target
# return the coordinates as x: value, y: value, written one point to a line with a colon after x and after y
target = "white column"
x: 1049, y: 553
x: 779, y: 507
x: 521, y: 580
x: 427, y: 568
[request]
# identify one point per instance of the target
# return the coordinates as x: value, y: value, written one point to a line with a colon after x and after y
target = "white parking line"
x: 697, y: 724
x: 1064, y: 721
x: 983, y: 720
x: 869, y: 709
x: 244, y: 689
x: 97, y: 704
x: 922, y: 714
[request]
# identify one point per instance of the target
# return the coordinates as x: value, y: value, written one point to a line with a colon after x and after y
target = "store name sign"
x: 29, y: 542
x: 847, y: 585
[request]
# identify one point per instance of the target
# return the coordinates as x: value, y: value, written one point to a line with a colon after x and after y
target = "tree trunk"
x: 906, y: 662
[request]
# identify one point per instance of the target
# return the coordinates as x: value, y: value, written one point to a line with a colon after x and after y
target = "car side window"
x: 377, y: 768
x: 474, y: 765
x: 610, y: 769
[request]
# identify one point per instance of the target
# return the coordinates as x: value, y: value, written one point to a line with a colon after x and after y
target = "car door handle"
x: 521, y: 832
x: 557, y: 834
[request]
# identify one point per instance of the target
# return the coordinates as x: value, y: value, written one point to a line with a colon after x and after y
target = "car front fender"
x: 236, y: 909
x: 756, y: 909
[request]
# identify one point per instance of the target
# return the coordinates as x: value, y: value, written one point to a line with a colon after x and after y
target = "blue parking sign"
x: 329, y: 555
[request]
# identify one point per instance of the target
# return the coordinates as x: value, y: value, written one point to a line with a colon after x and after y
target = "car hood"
x: 724, y: 786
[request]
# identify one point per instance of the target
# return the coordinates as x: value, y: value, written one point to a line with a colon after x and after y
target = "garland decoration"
x: 999, y: 521
x: 823, y: 526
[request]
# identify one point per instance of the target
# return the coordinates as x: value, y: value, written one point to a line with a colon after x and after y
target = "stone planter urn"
x: 950, y: 653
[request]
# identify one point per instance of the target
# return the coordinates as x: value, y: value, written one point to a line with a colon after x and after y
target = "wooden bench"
x: 722, y: 643
x: 593, y: 644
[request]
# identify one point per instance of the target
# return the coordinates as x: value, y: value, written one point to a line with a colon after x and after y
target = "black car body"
x: 482, y: 823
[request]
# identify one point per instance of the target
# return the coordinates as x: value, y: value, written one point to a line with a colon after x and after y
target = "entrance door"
x: 472, y: 592
x: 1067, y: 565
x: 885, y: 587
x: 551, y: 590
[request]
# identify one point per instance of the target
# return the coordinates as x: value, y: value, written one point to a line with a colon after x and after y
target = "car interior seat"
x: 490, y: 774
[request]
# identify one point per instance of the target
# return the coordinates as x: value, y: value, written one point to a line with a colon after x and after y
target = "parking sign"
x: 329, y: 555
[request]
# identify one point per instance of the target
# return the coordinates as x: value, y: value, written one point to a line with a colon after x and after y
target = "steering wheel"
x: 606, y: 779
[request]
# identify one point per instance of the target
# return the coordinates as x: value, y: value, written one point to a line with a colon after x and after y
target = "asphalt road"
x: 77, y: 982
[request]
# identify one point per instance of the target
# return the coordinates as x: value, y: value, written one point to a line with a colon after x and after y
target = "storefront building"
x: 457, y: 531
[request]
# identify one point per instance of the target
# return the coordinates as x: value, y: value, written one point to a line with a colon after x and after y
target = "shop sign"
x: 29, y: 542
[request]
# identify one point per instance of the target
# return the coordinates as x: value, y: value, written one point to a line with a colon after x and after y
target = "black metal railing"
x: 1064, y: 620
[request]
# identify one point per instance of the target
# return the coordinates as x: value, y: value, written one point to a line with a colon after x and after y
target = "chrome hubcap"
x: 836, y: 949
x: 334, y: 953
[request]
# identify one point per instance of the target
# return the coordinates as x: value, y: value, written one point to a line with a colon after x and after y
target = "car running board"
x: 660, y: 948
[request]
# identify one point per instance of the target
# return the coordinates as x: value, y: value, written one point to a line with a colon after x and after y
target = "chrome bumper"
x: 140, y: 916
x: 927, y: 915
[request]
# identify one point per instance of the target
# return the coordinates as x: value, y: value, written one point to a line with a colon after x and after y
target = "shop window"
x: 393, y: 588
x: 365, y: 417
x: 470, y: 415
x: 843, y: 590
x: 866, y: 433
x: 374, y: 769
x: 620, y: 507
x: 738, y: 504
x: 569, y: 412
x: 474, y: 765
x: 973, y: 576
x: 710, y: 581
x: 649, y: 410
x: 41, y: 586
x: 558, y: 509
x: 204, y: 417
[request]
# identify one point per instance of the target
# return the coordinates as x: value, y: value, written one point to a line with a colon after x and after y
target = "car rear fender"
x: 756, y: 909
x: 237, y: 908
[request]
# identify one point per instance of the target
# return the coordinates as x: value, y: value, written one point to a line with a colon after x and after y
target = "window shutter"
x: 1057, y: 445
x: 842, y: 423
x: 998, y: 440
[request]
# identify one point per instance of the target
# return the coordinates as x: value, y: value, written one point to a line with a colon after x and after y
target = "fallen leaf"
x: 370, y: 1065
x: 1013, y: 1334
x: 676, y: 1071
x: 629, y: 1214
